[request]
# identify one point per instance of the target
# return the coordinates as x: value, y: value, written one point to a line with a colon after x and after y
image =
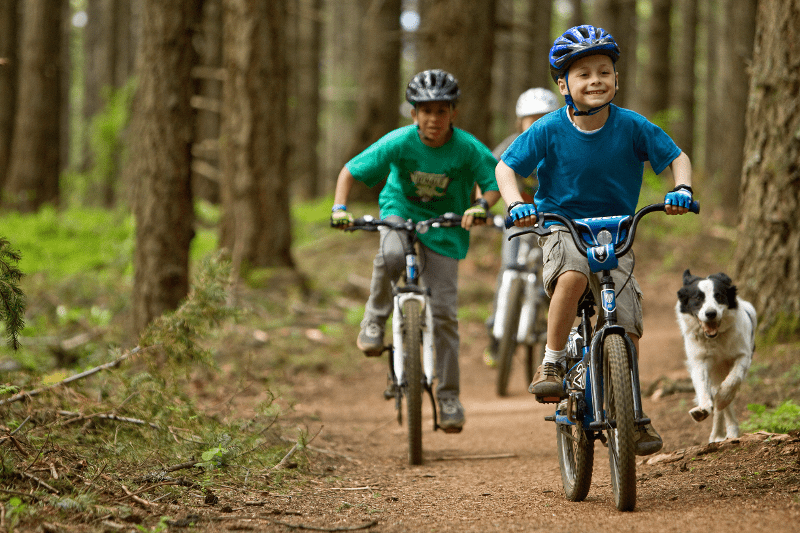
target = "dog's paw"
x: 727, y: 391
x: 699, y: 414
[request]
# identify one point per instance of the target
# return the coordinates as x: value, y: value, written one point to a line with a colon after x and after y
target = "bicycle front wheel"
x: 618, y: 400
x: 412, y: 338
x: 575, y: 459
x: 507, y: 345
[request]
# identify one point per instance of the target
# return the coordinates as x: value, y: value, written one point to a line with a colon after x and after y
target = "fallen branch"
x: 39, y: 481
x: 476, y: 457
x: 78, y: 417
x: 365, y: 525
x: 23, y: 395
x: 286, y: 458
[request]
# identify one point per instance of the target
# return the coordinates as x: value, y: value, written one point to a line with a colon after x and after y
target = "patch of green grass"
x: 782, y: 419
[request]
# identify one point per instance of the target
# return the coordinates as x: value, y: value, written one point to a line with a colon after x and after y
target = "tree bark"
x: 305, y: 110
x: 458, y: 37
x: 656, y: 81
x: 256, y: 225
x: 684, y: 79
x: 540, y: 14
x: 738, y: 19
x: 35, y: 149
x: 160, y: 159
x: 9, y: 21
x: 767, y: 264
x: 377, y: 109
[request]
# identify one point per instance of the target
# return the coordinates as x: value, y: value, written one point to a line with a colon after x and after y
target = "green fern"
x: 12, y: 299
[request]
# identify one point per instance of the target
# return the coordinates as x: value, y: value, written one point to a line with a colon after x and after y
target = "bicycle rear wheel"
x: 619, y: 407
x: 412, y: 338
x: 575, y: 459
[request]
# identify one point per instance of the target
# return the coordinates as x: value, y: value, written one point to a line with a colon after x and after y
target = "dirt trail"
x: 501, y: 473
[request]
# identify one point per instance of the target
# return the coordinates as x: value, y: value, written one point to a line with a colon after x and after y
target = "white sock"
x: 558, y: 357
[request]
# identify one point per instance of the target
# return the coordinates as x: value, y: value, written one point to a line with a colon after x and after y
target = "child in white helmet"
x: 532, y: 105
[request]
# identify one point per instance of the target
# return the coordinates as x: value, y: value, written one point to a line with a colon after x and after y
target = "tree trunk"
x: 377, y: 109
x: 205, y: 151
x: 618, y: 17
x: 767, y: 268
x: 304, y: 167
x: 458, y: 37
x: 738, y: 19
x: 160, y: 160
x: 256, y: 225
x: 35, y: 149
x: 9, y: 21
x: 540, y: 14
x: 683, y: 124
x: 656, y: 81
x: 714, y: 101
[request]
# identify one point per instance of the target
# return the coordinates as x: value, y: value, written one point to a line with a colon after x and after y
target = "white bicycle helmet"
x: 536, y: 101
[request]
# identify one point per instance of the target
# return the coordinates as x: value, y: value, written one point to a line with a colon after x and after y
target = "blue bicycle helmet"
x: 575, y: 43
x: 433, y: 85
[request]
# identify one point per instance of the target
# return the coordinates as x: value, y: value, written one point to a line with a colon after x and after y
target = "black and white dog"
x: 719, y: 337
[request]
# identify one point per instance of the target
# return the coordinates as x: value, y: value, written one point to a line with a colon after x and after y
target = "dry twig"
x: 76, y: 377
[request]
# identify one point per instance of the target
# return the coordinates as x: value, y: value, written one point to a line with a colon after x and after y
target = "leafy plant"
x: 782, y: 419
x: 12, y: 299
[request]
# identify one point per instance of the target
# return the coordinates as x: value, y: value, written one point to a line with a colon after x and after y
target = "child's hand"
x: 678, y: 200
x: 340, y: 218
x: 523, y: 214
x: 475, y: 215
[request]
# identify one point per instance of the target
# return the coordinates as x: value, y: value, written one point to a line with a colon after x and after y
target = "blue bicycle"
x: 602, y: 384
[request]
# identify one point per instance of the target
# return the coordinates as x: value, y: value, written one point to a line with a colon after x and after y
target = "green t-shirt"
x: 425, y: 182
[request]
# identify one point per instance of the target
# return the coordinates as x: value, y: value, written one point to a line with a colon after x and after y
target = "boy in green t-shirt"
x: 432, y: 168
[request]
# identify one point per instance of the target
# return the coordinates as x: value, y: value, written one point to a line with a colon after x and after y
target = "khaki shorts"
x: 561, y: 255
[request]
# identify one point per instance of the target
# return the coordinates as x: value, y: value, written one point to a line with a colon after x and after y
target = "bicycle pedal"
x: 547, y: 399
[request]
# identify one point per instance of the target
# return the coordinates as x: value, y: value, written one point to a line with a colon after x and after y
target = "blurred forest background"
x: 157, y: 108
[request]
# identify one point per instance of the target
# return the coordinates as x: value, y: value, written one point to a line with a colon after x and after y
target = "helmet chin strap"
x: 577, y: 112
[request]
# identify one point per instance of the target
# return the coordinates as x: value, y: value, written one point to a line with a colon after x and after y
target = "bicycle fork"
x: 427, y: 338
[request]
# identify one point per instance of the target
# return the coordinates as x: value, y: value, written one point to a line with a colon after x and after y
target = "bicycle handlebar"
x: 629, y: 224
x: 370, y: 223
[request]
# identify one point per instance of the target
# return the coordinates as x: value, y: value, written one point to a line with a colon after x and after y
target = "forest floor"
x: 501, y: 473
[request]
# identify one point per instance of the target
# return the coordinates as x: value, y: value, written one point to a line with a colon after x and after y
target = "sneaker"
x: 648, y: 441
x: 451, y: 415
x: 547, y: 383
x: 370, y: 339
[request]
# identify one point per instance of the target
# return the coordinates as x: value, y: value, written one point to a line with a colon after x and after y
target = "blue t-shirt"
x: 584, y: 175
x: 424, y: 182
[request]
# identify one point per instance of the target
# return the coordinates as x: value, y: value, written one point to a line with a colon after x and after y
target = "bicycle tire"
x: 575, y: 460
x: 412, y: 338
x: 618, y: 399
x: 507, y: 347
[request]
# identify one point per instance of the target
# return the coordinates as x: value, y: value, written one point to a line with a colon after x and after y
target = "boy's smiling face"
x: 433, y: 121
x: 592, y: 81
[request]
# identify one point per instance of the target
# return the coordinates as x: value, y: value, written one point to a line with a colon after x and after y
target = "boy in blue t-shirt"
x: 432, y: 169
x: 589, y: 156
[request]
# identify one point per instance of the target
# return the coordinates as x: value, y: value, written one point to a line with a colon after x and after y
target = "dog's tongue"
x: 709, y: 329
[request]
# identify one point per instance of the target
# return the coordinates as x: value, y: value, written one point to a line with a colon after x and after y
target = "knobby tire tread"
x: 412, y: 339
x: 619, y: 407
x: 575, y: 459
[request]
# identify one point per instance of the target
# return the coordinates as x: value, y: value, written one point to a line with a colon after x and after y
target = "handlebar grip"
x: 509, y: 222
x: 694, y: 207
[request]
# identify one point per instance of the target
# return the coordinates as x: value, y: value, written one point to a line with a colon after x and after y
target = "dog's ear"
x: 683, y: 298
x: 688, y: 278
x: 730, y: 288
x: 722, y: 278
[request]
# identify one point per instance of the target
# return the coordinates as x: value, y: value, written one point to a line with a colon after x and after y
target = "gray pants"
x: 439, y: 274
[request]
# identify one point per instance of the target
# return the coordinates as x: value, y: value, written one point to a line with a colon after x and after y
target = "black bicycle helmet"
x: 433, y: 85
x: 578, y: 42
